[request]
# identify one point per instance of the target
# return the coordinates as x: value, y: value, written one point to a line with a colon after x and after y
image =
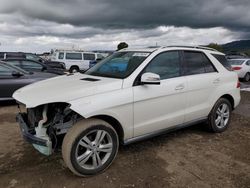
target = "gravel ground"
x: 191, y: 157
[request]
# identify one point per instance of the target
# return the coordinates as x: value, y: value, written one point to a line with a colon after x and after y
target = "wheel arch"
x: 114, y: 123
x: 229, y: 98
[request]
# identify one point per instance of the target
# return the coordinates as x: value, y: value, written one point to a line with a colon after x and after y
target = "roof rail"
x: 196, y: 47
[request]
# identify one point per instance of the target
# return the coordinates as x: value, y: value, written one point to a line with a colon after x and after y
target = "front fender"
x: 117, y: 104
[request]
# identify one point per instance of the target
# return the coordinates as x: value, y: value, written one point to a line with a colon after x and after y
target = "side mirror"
x: 17, y: 74
x: 149, y: 78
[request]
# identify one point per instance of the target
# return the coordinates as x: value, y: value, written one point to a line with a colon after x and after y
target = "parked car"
x: 9, y: 55
x: 13, y: 78
x: 242, y: 67
x: 35, y: 66
x: 130, y: 96
x: 75, y: 60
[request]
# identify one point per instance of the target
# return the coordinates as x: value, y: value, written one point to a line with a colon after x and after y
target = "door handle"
x: 179, y: 87
x: 216, y: 81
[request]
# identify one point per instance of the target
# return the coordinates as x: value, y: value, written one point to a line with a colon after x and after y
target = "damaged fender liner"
x: 27, y: 135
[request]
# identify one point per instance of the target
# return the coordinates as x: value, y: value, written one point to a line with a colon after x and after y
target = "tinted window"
x: 74, y: 56
x: 222, y: 59
x: 248, y: 62
x: 118, y: 65
x: 31, y: 65
x: 14, y: 62
x: 89, y: 56
x: 5, y: 71
x: 194, y: 63
x: 166, y: 64
x: 61, y: 55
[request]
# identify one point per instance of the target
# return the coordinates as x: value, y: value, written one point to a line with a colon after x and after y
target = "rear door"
x: 202, y: 79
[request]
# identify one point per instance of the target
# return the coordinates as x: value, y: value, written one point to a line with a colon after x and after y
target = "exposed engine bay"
x: 48, y: 122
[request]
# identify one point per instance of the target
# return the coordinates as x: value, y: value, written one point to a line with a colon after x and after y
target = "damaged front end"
x: 43, y: 125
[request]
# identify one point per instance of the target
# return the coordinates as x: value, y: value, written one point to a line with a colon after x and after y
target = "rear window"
x: 74, y: 56
x: 222, y: 59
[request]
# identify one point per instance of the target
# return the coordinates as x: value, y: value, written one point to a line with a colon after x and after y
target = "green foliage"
x: 216, y: 46
x: 122, y: 45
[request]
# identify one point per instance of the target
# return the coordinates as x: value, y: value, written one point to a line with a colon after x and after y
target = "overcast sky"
x: 39, y: 25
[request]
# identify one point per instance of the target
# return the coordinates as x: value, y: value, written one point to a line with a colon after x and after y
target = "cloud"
x: 102, y: 24
x: 136, y: 14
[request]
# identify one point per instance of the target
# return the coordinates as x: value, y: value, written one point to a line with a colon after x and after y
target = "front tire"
x: 220, y: 116
x: 90, y: 147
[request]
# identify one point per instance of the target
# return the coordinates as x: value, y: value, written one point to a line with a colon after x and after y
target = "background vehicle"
x: 75, y: 60
x: 35, y: 66
x: 242, y: 67
x: 13, y: 78
x: 8, y: 55
x: 129, y: 96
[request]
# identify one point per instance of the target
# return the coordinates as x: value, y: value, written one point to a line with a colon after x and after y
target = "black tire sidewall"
x: 87, y: 172
x: 212, y: 124
x: 74, y: 68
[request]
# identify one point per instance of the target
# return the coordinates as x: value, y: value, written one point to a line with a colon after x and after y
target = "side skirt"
x: 163, y: 131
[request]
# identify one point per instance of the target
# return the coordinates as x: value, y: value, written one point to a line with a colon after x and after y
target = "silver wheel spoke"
x: 94, y: 149
x: 82, y: 159
x: 217, y: 121
x: 86, y: 139
x: 226, y: 114
x: 107, y: 148
x: 224, y: 108
x: 83, y: 144
x: 221, y: 122
x: 99, y: 137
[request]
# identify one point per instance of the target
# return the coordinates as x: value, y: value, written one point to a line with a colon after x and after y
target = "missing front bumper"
x: 43, y: 145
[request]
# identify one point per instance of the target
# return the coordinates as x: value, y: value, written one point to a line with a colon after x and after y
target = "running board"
x: 163, y: 131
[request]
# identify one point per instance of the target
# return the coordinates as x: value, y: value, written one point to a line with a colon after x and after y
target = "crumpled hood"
x: 64, y: 89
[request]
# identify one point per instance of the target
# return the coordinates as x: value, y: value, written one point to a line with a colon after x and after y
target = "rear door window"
x: 197, y: 63
x: 74, y: 56
x: 89, y: 56
x: 30, y: 65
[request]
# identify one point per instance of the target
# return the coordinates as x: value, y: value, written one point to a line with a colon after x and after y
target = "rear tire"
x: 90, y: 147
x: 220, y: 116
x: 74, y: 69
x: 247, y: 77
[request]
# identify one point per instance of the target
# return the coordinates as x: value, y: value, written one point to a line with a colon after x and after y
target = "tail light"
x: 238, y: 84
x: 237, y: 68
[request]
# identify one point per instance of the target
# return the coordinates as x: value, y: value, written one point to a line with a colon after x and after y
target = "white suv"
x: 130, y: 96
x: 75, y: 60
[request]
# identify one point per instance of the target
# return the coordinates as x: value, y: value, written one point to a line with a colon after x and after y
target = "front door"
x: 157, y: 107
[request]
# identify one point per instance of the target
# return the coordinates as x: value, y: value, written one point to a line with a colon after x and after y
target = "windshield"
x: 118, y: 65
x: 236, y: 61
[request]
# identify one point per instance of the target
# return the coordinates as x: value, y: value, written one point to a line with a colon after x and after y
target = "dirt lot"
x: 187, y: 158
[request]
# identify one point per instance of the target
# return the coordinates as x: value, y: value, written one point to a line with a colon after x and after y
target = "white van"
x: 75, y: 60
